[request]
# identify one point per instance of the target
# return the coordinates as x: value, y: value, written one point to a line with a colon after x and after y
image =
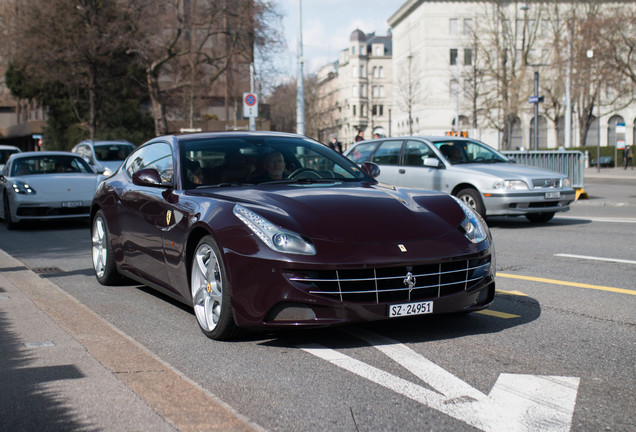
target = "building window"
x: 453, y: 56
x: 353, y: 72
x: 381, y: 72
x: 362, y: 50
x: 378, y: 50
x: 361, y: 71
x: 468, y: 56
x: 381, y: 111
x: 375, y: 92
x: 468, y: 26
x: 374, y: 110
x: 452, y: 26
x: 354, y: 90
x: 381, y: 91
x: 375, y: 72
x: 354, y: 109
x: 353, y: 50
x: 361, y: 110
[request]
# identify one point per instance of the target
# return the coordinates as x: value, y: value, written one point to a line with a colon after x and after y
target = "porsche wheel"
x: 210, y: 291
x: 102, y: 252
x: 8, y: 221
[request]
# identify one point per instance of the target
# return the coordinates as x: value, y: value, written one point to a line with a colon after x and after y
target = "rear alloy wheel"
x: 211, y: 291
x: 539, y: 217
x: 472, y: 198
x: 102, y: 252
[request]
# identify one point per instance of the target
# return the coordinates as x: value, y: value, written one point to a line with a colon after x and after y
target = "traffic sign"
x: 250, y: 105
x: 536, y: 99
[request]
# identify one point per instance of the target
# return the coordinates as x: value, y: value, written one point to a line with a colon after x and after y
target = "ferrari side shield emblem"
x: 402, y: 247
x: 168, y: 217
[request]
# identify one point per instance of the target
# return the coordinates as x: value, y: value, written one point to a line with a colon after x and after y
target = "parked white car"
x: 45, y: 186
x: 105, y: 157
x: 474, y: 172
x: 5, y: 152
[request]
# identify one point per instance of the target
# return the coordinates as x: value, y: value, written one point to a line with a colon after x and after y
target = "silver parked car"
x: 474, y: 172
x: 105, y: 157
x: 46, y: 185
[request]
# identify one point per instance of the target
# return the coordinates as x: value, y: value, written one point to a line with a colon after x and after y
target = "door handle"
x: 402, y: 171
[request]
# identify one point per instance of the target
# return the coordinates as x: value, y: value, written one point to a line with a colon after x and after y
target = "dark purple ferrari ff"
x: 262, y: 229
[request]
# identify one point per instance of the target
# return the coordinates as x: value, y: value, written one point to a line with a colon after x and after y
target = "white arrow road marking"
x: 515, y: 403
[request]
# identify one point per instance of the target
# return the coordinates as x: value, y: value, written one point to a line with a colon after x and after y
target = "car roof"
x: 234, y: 134
x: 43, y: 153
x: 9, y: 147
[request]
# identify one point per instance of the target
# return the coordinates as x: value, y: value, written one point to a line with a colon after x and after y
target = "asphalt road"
x: 555, y: 352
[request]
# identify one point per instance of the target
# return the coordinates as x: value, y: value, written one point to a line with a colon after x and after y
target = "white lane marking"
x: 515, y: 403
x: 598, y: 219
x: 593, y: 258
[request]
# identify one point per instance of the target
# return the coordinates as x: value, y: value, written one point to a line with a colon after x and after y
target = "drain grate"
x: 47, y: 270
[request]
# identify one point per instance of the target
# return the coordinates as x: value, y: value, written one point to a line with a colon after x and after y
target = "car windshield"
x: 112, y: 152
x: 259, y: 160
x: 468, y: 152
x: 49, y: 164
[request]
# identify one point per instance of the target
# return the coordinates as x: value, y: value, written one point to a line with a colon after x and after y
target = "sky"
x: 327, y: 25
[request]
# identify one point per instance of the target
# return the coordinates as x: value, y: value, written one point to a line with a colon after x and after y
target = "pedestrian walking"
x: 628, y: 155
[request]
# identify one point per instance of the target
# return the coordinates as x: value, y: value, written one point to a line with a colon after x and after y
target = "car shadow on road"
x: 523, y: 223
x: 507, y: 311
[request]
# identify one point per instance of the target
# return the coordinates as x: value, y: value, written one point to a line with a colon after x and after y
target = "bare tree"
x: 409, y: 90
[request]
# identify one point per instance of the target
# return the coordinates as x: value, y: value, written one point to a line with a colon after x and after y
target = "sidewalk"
x: 611, y: 173
x: 63, y: 368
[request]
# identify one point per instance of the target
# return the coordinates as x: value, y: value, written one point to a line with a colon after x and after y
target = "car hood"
x: 507, y: 171
x: 351, y: 213
x: 76, y: 185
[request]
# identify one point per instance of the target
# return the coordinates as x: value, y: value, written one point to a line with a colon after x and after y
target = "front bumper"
x: 521, y: 203
x: 270, y: 293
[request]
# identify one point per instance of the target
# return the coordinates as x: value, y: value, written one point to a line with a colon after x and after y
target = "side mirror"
x: 147, y: 177
x: 432, y: 162
x: 370, y: 169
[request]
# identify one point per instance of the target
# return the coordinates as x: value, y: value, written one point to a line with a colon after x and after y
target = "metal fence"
x: 570, y: 163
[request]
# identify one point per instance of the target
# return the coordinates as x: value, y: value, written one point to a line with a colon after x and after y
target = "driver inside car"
x: 274, y: 166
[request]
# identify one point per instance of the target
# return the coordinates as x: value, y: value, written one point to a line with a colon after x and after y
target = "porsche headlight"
x: 473, y: 225
x: 21, y: 187
x: 511, y: 185
x: 275, y: 237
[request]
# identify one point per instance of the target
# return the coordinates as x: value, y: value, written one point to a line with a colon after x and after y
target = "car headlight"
x: 275, y: 237
x: 21, y: 187
x: 566, y: 183
x: 511, y: 185
x: 473, y: 225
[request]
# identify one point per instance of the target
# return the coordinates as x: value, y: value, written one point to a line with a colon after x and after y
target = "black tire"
x: 102, y: 252
x: 540, y: 217
x: 8, y: 221
x: 472, y: 198
x: 210, y: 291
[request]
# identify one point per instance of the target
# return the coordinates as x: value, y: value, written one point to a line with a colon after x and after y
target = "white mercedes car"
x: 46, y: 186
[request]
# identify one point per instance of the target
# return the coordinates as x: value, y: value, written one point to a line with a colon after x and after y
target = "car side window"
x: 388, y: 153
x: 362, y: 152
x: 155, y: 155
x: 416, y: 152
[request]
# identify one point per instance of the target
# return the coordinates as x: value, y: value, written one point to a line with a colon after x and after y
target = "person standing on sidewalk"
x: 628, y: 156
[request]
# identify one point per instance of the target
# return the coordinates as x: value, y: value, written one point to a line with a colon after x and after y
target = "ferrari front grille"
x: 391, y: 284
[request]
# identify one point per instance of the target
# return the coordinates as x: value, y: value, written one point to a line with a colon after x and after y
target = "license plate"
x: 71, y: 204
x: 407, y: 309
x: 552, y: 195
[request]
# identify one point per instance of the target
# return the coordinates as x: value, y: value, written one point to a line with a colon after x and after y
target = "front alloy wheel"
x: 102, y: 252
x: 210, y: 291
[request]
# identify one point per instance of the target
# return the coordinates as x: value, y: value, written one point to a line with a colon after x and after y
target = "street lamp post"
x: 590, y: 55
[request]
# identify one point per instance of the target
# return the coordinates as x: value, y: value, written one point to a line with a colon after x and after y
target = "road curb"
x: 174, y: 397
